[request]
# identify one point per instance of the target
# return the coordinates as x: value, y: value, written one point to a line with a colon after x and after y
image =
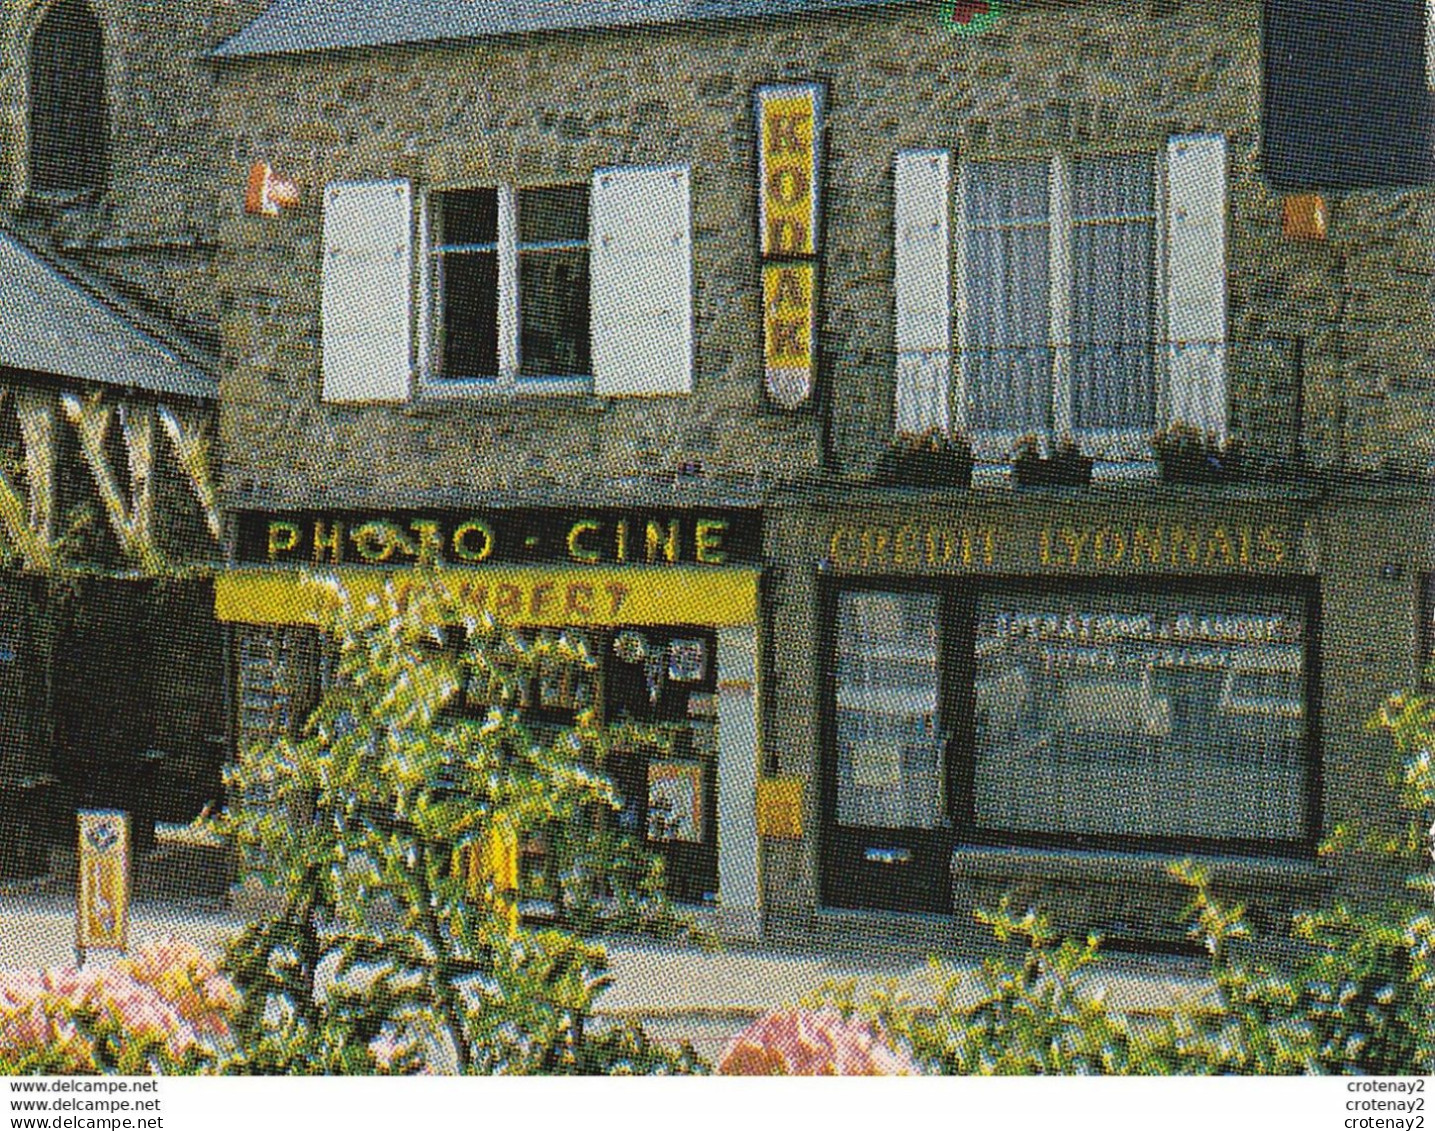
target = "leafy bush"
x: 1359, y: 997
x: 389, y: 829
x: 164, y: 1009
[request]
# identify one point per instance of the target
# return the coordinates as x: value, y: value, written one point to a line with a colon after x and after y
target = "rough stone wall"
x: 151, y: 233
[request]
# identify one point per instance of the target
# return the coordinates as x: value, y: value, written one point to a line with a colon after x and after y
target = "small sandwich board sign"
x: 103, y: 911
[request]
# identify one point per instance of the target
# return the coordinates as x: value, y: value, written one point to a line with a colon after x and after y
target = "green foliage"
x: 1359, y: 997
x: 397, y: 945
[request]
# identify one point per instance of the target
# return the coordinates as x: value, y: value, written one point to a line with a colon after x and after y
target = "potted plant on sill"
x: 926, y: 459
x: 1186, y: 454
x: 1065, y: 467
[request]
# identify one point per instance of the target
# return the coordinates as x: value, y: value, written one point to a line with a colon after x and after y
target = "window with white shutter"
x: 641, y: 239
x: 922, y: 249
x: 1060, y: 298
x: 366, y: 314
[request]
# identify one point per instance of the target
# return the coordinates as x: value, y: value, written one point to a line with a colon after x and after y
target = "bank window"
x: 1059, y: 294
x: 888, y: 729
x: 1147, y: 716
x: 511, y: 283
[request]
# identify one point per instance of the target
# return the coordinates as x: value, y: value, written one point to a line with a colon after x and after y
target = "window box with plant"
x: 926, y: 459
x: 1064, y: 467
x: 1186, y: 454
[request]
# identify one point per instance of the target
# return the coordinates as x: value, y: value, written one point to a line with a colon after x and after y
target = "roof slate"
x: 288, y: 26
x: 49, y: 324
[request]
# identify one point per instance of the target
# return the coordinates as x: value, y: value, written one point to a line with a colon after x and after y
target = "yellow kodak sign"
x: 787, y: 306
x: 102, y: 919
x: 787, y: 164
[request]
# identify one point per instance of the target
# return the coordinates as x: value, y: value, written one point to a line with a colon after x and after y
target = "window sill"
x: 489, y: 395
x: 1085, y: 866
x: 1126, y: 471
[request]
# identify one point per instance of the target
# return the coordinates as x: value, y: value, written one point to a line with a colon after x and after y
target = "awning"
x: 515, y: 595
x: 48, y: 324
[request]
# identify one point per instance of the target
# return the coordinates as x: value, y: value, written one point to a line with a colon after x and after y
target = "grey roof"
x: 318, y: 25
x: 49, y: 324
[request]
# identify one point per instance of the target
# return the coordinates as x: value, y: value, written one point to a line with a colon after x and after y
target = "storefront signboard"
x: 599, y: 536
x: 517, y: 596
x: 787, y: 165
x: 1236, y: 545
x: 789, y: 132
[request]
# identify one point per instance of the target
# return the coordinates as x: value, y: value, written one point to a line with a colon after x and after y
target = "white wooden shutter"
x: 1196, y: 279
x: 922, y: 288
x: 640, y: 230
x: 368, y: 275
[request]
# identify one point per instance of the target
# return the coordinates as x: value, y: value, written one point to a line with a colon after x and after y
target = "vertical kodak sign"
x: 102, y: 918
x: 789, y: 314
x: 789, y: 127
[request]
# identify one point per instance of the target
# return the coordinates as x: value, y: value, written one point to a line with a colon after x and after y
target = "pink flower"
x: 167, y: 993
x: 801, y: 1042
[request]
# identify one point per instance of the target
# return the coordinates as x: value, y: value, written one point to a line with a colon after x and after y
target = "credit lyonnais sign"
x: 1119, y: 546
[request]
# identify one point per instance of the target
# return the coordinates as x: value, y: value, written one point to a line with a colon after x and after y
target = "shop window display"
x: 1119, y: 716
x: 1191, y: 710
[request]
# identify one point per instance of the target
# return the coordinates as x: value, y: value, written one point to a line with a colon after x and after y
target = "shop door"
x: 887, y: 836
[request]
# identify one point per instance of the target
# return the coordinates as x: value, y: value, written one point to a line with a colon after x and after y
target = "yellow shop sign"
x: 787, y: 166
x: 514, y: 595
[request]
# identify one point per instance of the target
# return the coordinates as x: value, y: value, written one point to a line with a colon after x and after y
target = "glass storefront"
x: 1122, y: 716
x: 1188, y: 708
x: 654, y: 687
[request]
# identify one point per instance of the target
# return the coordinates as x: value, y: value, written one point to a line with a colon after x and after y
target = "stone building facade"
x: 935, y: 720
x: 793, y: 236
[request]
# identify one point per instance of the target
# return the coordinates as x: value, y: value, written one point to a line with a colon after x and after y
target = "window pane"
x: 1006, y: 352
x: 1190, y: 710
x: 1005, y: 191
x: 69, y: 135
x: 469, y: 285
x: 468, y: 216
x: 1113, y: 272
x: 889, y: 748
x: 1112, y: 186
x: 553, y: 312
x: 556, y: 213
